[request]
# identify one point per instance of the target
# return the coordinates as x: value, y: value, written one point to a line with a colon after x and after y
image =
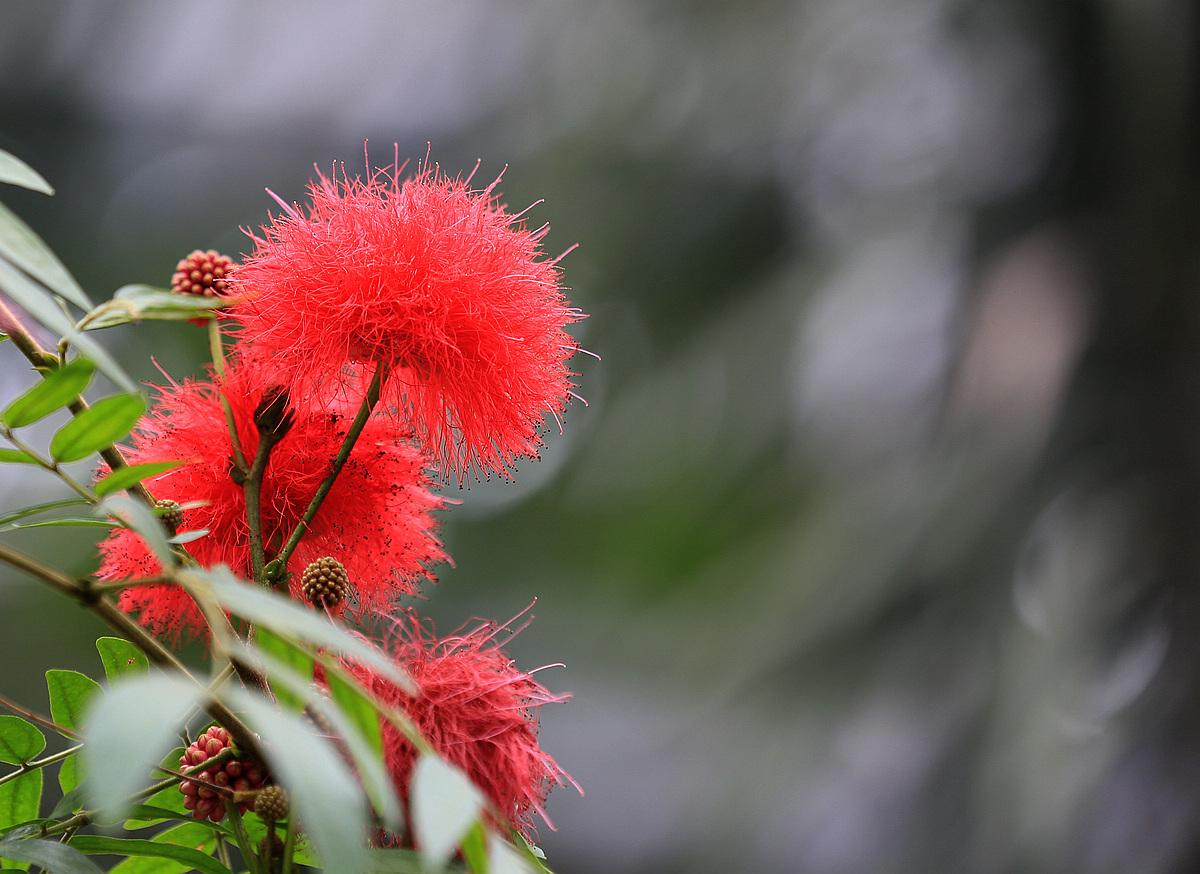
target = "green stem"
x: 289, y: 844
x: 252, y: 488
x: 85, y: 816
x: 155, y: 651
x: 44, y: 362
x: 239, y: 834
x: 41, y: 763
x: 52, y: 466
x: 275, y: 568
x: 44, y: 721
x: 217, y: 351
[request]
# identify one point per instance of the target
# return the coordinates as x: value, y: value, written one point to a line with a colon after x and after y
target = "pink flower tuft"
x: 478, y: 709
x: 440, y: 283
x: 377, y: 518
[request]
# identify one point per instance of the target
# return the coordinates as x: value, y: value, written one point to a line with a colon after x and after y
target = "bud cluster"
x: 239, y: 774
x: 171, y: 514
x: 325, y: 583
x: 202, y: 273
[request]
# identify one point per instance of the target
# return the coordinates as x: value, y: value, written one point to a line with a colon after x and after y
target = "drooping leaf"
x: 38, y: 303
x: 55, y: 391
x: 357, y: 707
x: 283, y: 615
x: 288, y: 654
x: 136, y: 303
x: 188, y: 536
x: 504, y: 858
x: 20, y: 245
x: 50, y: 855
x: 139, y: 517
x: 20, y: 799
x: 68, y: 522
x: 445, y: 803
x: 368, y: 760
x: 475, y: 849
x: 98, y: 427
x: 99, y: 844
x: 121, y: 658
x: 14, y: 171
x: 26, y: 512
x: 16, y: 456
x: 124, y: 477
x: 129, y: 727
x: 324, y: 793
x: 20, y: 740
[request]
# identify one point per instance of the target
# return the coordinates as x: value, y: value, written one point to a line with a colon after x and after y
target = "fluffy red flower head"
x: 376, y: 519
x: 479, y: 712
x: 440, y: 283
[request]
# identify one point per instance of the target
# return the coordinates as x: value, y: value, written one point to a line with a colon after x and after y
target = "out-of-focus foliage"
x: 875, y: 549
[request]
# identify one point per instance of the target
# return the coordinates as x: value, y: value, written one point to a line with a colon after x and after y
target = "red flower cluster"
x: 479, y: 712
x: 433, y: 288
x: 438, y: 283
x: 377, y: 517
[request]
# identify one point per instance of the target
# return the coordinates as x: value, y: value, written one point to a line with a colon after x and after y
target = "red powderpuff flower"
x: 478, y: 710
x: 377, y: 519
x: 440, y: 283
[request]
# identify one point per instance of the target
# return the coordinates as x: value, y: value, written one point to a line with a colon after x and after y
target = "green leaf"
x: 283, y: 615
x: 445, y: 803
x: 70, y: 694
x: 367, y: 759
x: 124, y: 477
x: 20, y: 741
x: 357, y: 707
x: 20, y: 799
x: 188, y: 536
x: 290, y: 655
x: 136, y: 303
x: 71, y: 802
x: 36, y: 301
x: 51, y: 855
x: 61, y: 523
x: 26, y: 512
x: 16, y: 456
x: 135, y: 847
x: 14, y: 171
x: 98, y: 427
x: 121, y: 658
x: 324, y: 792
x: 141, y: 519
x: 20, y: 245
x: 504, y: 858
x: 474, y: 849
x: 129, y: 727
x: 196, y: 835
x: 55, y: 391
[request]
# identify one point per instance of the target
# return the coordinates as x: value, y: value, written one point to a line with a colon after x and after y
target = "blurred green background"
x: 876, y: 549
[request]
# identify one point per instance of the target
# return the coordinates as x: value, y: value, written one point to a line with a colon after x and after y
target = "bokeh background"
x: 876, y: 548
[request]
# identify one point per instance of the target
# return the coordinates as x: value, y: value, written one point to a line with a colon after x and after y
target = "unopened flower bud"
x: 171, y: 514
x: 273, y: 414
x: 325, y: 583
x: 272, y: 804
